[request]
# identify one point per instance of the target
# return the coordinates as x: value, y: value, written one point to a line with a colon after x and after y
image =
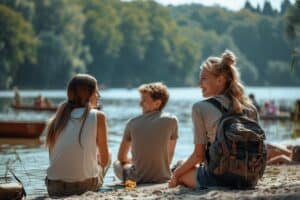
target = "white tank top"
x: 69, y: 161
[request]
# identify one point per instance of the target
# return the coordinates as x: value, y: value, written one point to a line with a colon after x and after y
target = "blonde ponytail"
x: 228, y: 58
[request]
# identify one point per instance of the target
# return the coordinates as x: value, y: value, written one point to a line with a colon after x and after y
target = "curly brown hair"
x: 157, y: 91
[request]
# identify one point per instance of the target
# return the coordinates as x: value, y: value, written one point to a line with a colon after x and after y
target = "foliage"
x: 256, y: 38
x: 126, y: 43
x: 17, y: 44
x: 59, y: 24
x: 293, y: 30
x: 277, y: 70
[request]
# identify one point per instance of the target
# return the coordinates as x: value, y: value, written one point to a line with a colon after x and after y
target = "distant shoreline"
x: 190, y: 93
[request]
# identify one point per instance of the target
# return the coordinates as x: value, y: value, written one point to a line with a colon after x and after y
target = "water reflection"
x: 27, y: 159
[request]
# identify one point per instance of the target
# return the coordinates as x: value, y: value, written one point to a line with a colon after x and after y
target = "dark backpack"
x: 237, y: 157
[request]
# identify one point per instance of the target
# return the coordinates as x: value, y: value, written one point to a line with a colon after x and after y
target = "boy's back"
x: 149, y: 134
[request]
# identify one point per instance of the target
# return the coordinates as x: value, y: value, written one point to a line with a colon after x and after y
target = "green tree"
x: 103, y: 36
x: 17, y: 45
x: 248, y: 6
x: 125, y: 43
x: 285, y: 5
x: 279, y: 74
x: 218, y: 19
x: 24, y: 7
x: 293, y: 29
x: 59, y: 21
x: 167, y: 50
x: 268, y: 10
x: 262, y: 42
x: 135, y: 29
x: 293, y: 21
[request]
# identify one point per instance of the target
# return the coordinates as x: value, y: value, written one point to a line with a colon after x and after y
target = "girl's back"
x: 70, y: 160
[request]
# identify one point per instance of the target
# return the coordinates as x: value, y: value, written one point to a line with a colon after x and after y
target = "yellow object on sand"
x: 130, y: 184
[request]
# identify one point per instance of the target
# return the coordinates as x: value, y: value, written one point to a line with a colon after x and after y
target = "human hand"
x: 173, y: 182
x: 126, y: 162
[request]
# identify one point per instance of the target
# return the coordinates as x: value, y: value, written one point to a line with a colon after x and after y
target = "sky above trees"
x: 229, y: 4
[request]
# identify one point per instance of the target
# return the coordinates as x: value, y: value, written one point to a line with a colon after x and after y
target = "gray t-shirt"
x: 150, y: 134
x: 206, y: 117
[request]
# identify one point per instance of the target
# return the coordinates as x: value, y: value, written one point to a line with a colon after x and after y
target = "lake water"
x: 29, y: 158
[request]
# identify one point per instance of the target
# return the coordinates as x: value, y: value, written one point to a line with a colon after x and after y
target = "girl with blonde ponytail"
x: 77, y: 141
x: 219, y: 78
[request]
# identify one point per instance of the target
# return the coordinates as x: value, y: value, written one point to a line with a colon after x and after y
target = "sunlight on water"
x: 29, y: 158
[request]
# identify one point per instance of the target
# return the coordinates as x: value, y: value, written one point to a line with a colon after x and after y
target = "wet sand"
x: 278, y: 182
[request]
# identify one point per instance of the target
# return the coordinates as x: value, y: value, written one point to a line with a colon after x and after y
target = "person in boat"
x: 39, y: 102
x: 17, y: 97
x: 218, y: 79
x: 270, y: 108
x: 77, y: 141
x: 273, y: 109
x: 152, y: 138
x: 277, y: 155
x: 48, y: 103
x: 254, y: 102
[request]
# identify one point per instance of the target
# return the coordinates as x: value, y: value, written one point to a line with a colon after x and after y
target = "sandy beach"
x: 278, y: 182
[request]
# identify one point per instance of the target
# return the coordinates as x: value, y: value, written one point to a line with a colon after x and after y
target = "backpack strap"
x: 223, y: 110
x: 217, y: 104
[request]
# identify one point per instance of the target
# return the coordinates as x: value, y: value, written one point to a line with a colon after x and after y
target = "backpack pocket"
x: 218, y: 155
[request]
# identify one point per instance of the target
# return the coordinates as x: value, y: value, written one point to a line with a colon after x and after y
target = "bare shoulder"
x: 61, y: 106
x: 101, y: 115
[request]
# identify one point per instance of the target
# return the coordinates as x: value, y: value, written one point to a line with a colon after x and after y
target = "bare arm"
x: 274, y: 151
x: 123, y: 152
x: 102, y: 139
x: 197, y: 156
x: 171, y: 149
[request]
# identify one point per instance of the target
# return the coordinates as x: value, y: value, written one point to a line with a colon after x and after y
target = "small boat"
x: 34, y: 108
x: 21, y: 129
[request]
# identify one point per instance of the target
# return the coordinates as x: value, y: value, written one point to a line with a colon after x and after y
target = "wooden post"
x: 296, y: 118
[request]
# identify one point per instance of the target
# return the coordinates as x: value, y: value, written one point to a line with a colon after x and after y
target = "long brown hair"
x: 234, y: 89
x: 80, y: 89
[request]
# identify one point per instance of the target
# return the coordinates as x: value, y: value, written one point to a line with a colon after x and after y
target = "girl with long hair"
x: 77, y: 141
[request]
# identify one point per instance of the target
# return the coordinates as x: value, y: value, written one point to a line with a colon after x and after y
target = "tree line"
x: 123, y: 44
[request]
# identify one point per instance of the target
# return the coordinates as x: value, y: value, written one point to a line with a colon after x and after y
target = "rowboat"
x: 21, y: 129
x: 34, y: 108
